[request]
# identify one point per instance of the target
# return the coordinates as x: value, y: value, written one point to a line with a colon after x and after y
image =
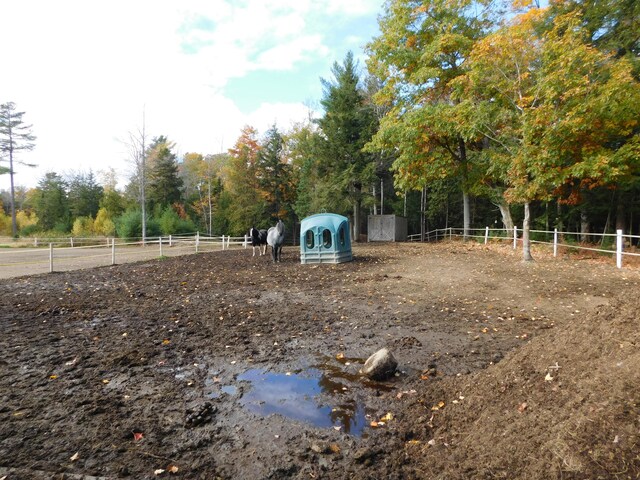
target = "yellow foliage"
x: 5, y: 224
x: 25, y: 219
x: 103, y: 224
x: 82, y: 227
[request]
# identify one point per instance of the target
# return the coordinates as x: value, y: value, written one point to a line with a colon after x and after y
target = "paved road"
x: 17, y: 262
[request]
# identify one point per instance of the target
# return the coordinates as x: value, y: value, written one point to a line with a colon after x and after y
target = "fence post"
x: 245, y: 240
x: 450, y: 233
x: 515, y: 237
x: 35, y: 242
x: 222, y: 242
x: 160, y: 243
x: 619, y: 248
x: 555, y: 242
x: 197, y: 240
x: 71, y: 238
x: 486, y: 235
x: 50, y: 257
x: 113, y: 251
x: 170, y: 240
x: 228, y: 241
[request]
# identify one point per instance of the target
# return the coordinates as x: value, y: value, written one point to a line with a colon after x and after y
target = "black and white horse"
x: 258, y: 239
x: 275, y: 238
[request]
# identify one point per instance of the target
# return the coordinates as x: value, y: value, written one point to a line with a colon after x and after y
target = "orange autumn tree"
x: 242, y: 182
x: 555, y: 111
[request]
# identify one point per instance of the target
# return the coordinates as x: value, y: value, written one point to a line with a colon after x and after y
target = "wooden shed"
x: 324, y: 238
x: 387, y: 228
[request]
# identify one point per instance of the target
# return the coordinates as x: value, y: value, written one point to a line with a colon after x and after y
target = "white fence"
x: 608, y: 243
x: 49, y: 255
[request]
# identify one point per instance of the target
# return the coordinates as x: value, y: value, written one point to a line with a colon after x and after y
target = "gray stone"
x: 380, y: 366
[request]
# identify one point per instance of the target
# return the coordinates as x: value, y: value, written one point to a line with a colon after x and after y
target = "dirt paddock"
x: 223, y: 365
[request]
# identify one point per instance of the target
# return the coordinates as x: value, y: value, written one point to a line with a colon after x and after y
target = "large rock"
x: 380, y: 366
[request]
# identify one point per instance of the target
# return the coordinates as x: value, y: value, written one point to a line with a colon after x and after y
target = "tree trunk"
x: 356, y: 214
x: 14, y: 223
x: 507, y: 220
x: 466, y: 214
x: 375, y: 204
x: 585, y: 227
x: 526, y: 240
x: 423, y: 203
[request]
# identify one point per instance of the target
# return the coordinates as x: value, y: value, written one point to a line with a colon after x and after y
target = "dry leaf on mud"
x: 387, y: 417
x: 166, y: 341
x: 137, y: 436
x: 75, y: 456
x: 438, y: 407
x: 158, y: 471
x: 53, y: 377
x: 340, y: 356
x: 374, y: 424
x: 172, y: 469
x: 522, y: 407
x: 334, y: 447
x: 548, y: 378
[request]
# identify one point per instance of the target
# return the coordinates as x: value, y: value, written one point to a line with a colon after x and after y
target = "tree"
x: 84, y: 195
x: 558, y: 113
x: 164, y: 182
x: 243, y: 186
x: 15, y: 136
x: 347, y: 126
x: 137, y: 146
x: 203, y: 183
x: 274, y: 174
x: 51, y: 203
x: 421, y: 49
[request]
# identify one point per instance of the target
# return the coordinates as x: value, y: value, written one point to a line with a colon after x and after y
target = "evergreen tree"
x: 51, y: 203
x: 274, y: 174
x: 15, y: 136
x: 164, y: 182
x: 347, y: 126
x: 84, y: 195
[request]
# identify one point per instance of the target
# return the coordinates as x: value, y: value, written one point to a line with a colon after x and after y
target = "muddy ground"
x: 222, y: 365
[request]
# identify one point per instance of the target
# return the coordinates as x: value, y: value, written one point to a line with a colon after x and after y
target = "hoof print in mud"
x: 200, y: 416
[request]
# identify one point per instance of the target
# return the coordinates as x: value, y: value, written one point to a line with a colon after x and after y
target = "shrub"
x: 82, y: 227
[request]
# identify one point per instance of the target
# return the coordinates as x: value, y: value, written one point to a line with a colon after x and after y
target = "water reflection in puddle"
x: 297, y: 396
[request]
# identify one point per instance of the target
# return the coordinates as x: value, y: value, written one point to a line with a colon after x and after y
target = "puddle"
x: 298, y: 396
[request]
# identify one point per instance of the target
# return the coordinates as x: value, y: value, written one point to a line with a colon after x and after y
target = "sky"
x: 86, y: 73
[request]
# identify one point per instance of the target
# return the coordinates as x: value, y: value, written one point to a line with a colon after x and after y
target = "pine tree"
x: 348, y: 125
x: 15, y: 136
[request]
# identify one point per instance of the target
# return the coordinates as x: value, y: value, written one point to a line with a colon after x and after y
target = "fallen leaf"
x: 548, y: 378
x: 137, y: 436
x: 105, y: 381
x: 340, y: 356
x: 75, y: 457
x: 522, y: 407
x: 166, y: 341
x: 387, y: 417
x: 158, y: 471
x: 335, y: 448
x: 53, y: 377
x: 374, y: 424
x: 172, y: 469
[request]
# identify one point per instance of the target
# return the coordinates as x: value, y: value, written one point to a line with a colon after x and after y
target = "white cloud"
x: 83, y: 71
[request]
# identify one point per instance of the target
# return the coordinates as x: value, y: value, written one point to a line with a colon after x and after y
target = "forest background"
x: 466, y: 114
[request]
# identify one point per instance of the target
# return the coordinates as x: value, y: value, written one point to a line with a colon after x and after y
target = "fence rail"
x: 68, y: 254
x: 610, y: 243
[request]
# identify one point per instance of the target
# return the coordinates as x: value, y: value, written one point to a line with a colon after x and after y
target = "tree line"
x: 468, y: 113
